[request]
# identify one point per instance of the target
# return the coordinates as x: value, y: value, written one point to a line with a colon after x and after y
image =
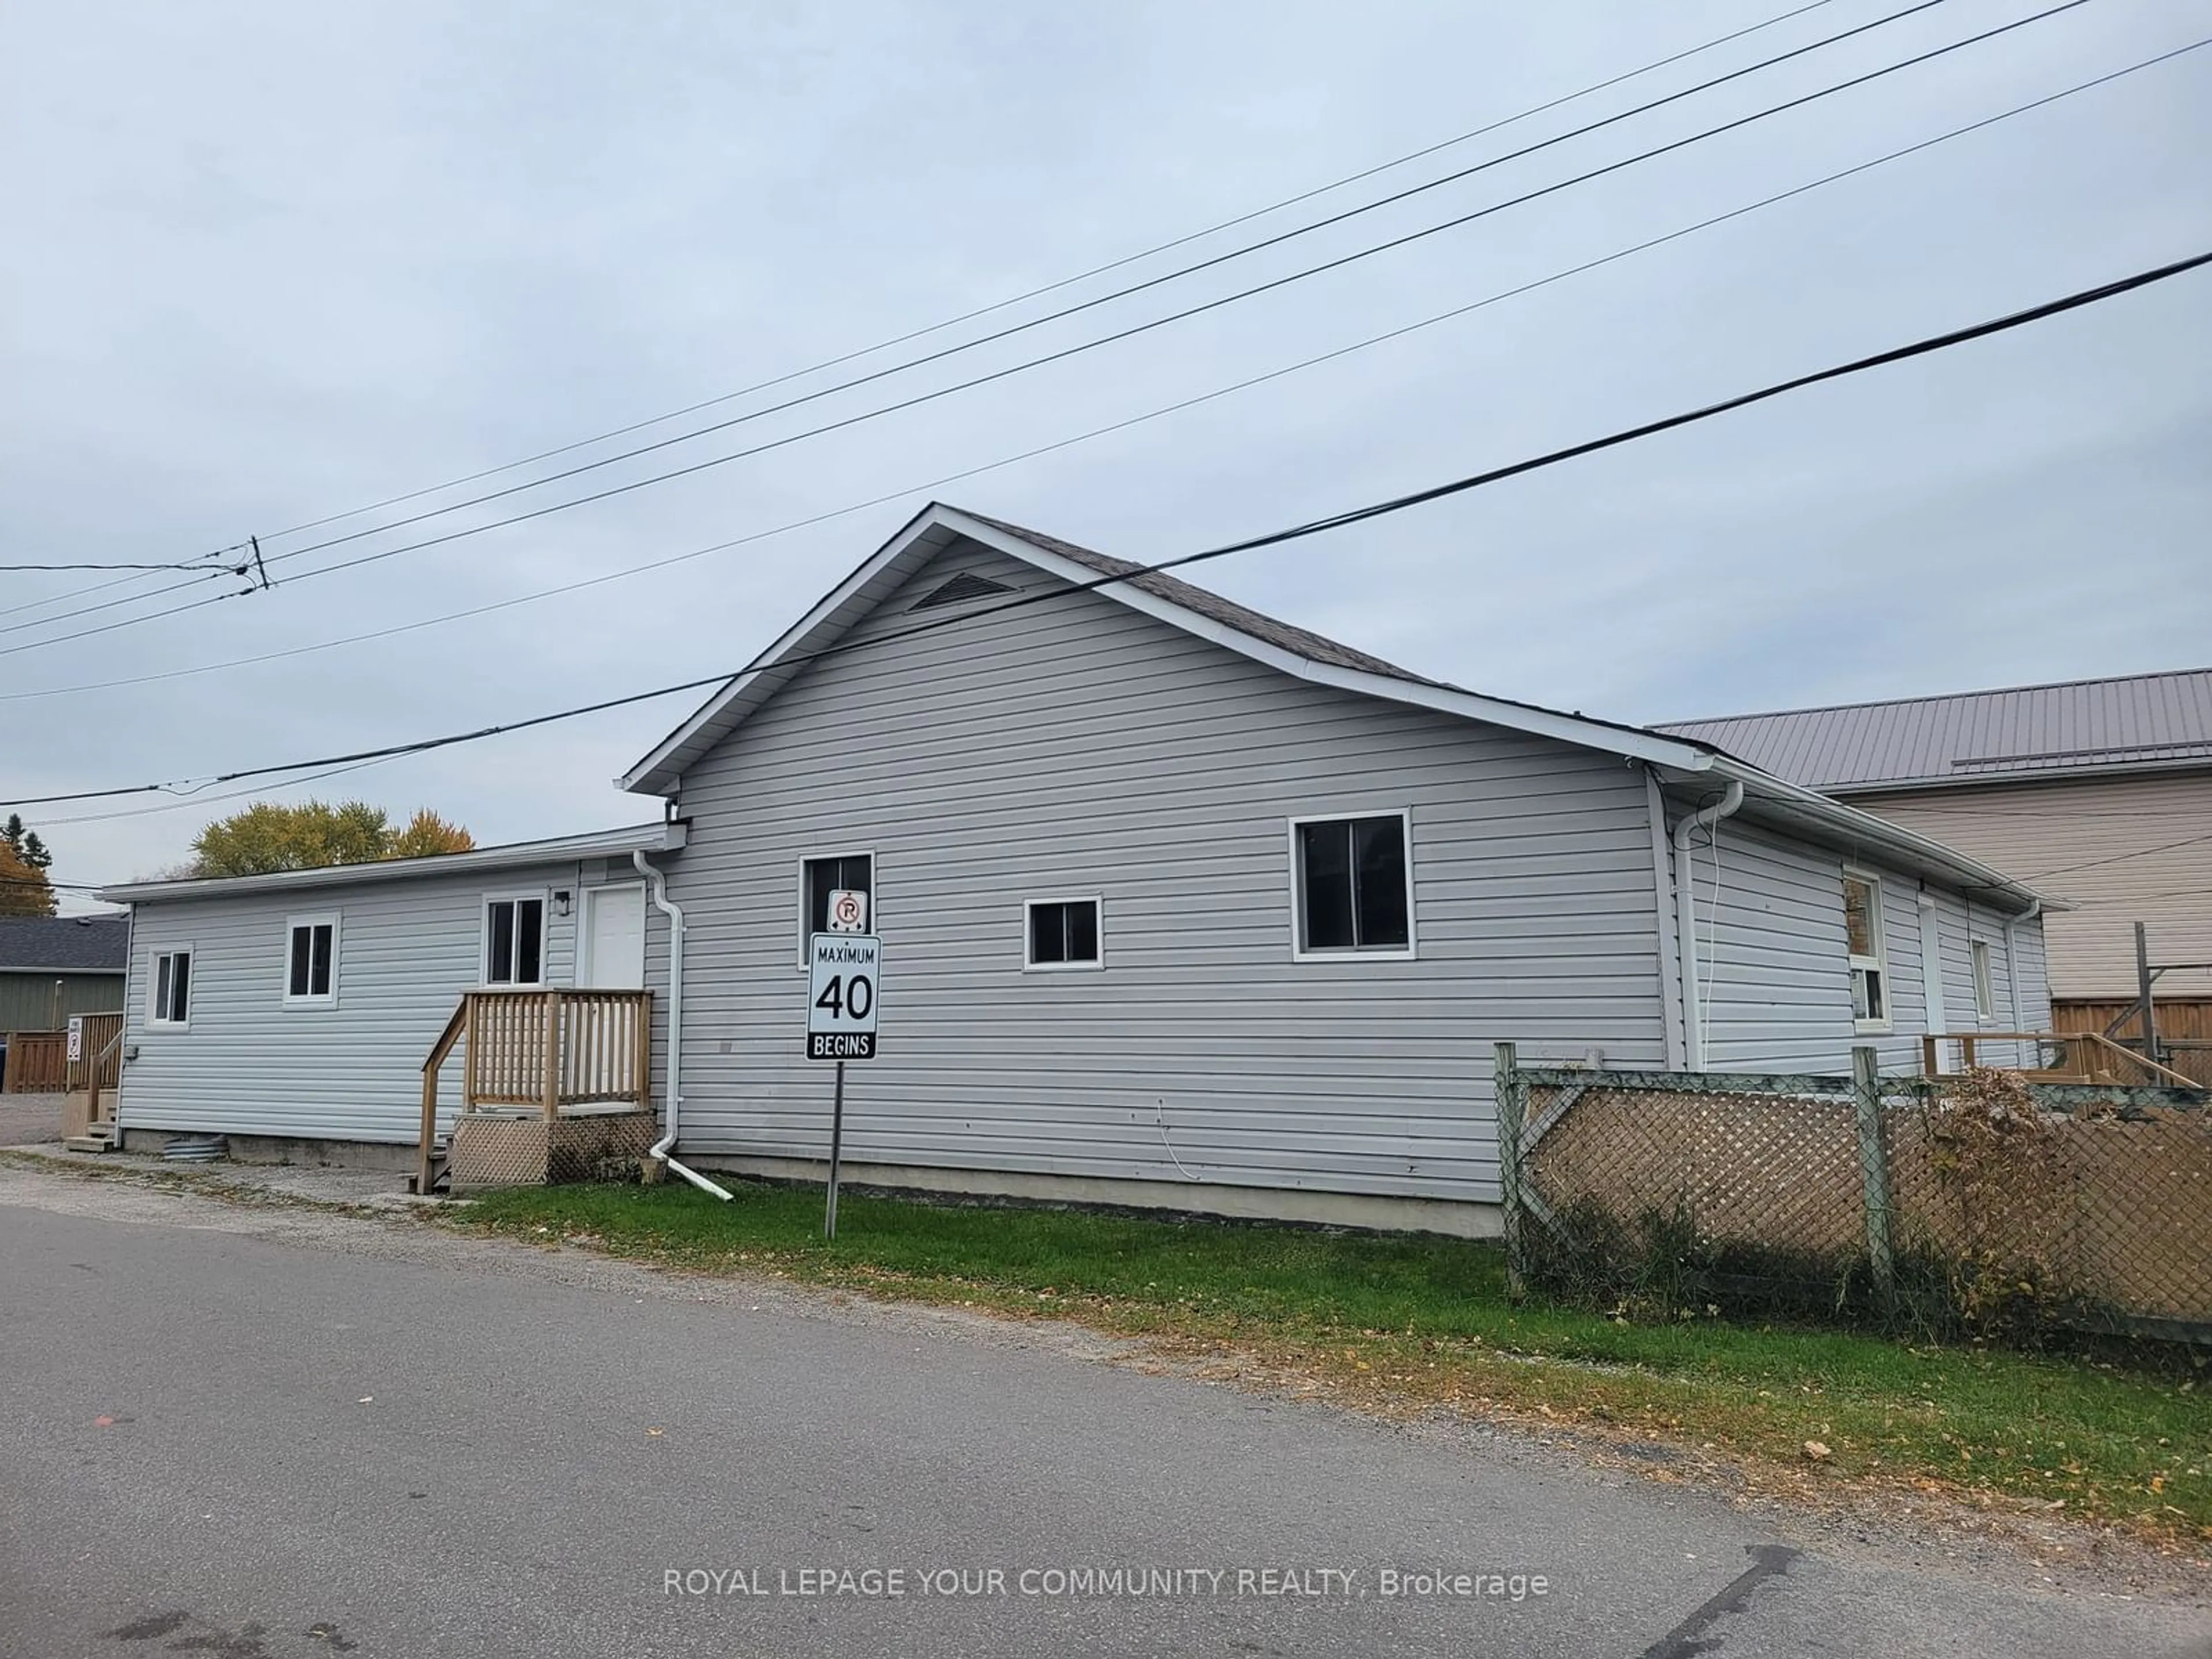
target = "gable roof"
x: 1295, y: 651
x: 1301, y: 641
x: 2072, y: 728
x: 64, y: 944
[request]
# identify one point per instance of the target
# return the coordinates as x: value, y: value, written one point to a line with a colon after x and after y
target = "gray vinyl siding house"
x: 1247, y: 1024
x: 277, y: 1074
x: 1152, y: 747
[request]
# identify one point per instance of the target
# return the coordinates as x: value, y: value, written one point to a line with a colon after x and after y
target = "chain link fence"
x: 1976, y: 1204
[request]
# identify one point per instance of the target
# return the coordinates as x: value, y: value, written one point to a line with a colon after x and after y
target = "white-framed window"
x: 514, y: 939
x: 169, y: 990
x: 1352, y: 885
x: 819, y: 878
x: 1062, y: 933
x: 310, y: 961
x: 1985, y: 994
x: 1862, y: 943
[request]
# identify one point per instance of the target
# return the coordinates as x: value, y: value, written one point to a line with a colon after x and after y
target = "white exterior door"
x: 613, y: 957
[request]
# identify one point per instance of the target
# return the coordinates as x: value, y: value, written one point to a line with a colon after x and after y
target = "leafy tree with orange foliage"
x: 267, y: 836
x: 24, y: 890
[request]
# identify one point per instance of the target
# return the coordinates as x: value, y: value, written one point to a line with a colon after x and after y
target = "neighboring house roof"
x: 64, y: 944
x: 2072, y: 728
x: 1295, y: 651
x: 601, y: 843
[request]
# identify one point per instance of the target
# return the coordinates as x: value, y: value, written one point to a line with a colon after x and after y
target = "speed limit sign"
x: 843, y: 985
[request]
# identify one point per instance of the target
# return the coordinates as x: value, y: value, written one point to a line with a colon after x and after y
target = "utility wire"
x: 189, y: 564
x: 998, y: 305
x: 1055, y: 286
x: 1150, y: 282
x: 218, y: 555
x: 1002, y: 373
x: 932, y: 484
x: 1273, y: 538
x: 2119, y: 858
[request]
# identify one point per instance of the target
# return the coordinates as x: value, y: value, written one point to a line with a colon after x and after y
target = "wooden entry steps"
x: 94, y: 1138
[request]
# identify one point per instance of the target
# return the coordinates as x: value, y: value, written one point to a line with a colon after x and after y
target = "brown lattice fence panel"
x: 1886, y: 1198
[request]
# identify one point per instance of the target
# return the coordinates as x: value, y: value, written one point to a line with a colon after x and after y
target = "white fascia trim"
x: 1864, y: 828
x: 655, y: 773
x: 600, y: 843
x: 1588, y: 734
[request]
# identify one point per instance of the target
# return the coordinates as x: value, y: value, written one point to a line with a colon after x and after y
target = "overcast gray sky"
x: 265, y: 262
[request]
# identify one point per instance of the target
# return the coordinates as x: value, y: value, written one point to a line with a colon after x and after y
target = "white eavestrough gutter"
x: 1685, y: 918
x: 675, y: 914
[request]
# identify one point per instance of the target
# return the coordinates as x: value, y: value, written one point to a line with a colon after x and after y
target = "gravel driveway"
x: 27, y: 1119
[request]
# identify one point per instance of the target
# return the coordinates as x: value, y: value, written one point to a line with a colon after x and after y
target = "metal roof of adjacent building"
x: 64, y: 944
x: 2140, y: 722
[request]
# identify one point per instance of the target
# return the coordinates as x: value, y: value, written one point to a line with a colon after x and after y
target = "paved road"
x: 261, y: 1434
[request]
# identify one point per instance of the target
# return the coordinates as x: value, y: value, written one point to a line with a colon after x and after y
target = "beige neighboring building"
x: 2096, y: 794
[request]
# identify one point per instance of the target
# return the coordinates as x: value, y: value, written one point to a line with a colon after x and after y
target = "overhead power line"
x: 1007, y: 303
x: 223, y: 556
x: 931, y: 484
x: 1312, y: 527
x: 1055, y: 286
x: 1150, y: 282
x: 1007, y: 372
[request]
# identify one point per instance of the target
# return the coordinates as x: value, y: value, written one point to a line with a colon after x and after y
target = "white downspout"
x: 675, y: 914
x: 1686, y: 914
x: 2011, y: 973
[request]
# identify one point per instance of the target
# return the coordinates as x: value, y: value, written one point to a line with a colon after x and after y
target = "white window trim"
x: 315, y: 919
x: 1879, y: 961
x: 154, y: 1021
x: 1983, y: 972
x: 798, y: 906
x: 544, y: 940
x: 1298, y: 952
x: 1096, y: 902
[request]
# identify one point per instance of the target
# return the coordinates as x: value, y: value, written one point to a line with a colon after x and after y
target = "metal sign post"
x: 844, y: 975
x: 836, y: 1150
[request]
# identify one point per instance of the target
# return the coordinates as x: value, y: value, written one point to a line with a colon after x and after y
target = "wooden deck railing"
x: 2083, y: 1057
x: 552, y: 1049
x: 38, y: 1061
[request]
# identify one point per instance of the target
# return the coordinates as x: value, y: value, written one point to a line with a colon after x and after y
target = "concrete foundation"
x: 310, y: 1150
x: 1379, y: 1215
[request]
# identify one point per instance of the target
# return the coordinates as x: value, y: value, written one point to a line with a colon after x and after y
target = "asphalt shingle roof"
x: 1302, y: 641
x: 65, y: 945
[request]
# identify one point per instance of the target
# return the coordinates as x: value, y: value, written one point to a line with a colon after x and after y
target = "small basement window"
x: 172, y: 989
x: 1862, y: 943
x: 514, y: 941
x: 1354, y: 885
x: 1985, y: 996
x: 1063, y: 932
x: 311, y: 960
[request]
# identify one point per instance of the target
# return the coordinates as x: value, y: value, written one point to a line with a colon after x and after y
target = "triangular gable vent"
x: 963, y: 587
